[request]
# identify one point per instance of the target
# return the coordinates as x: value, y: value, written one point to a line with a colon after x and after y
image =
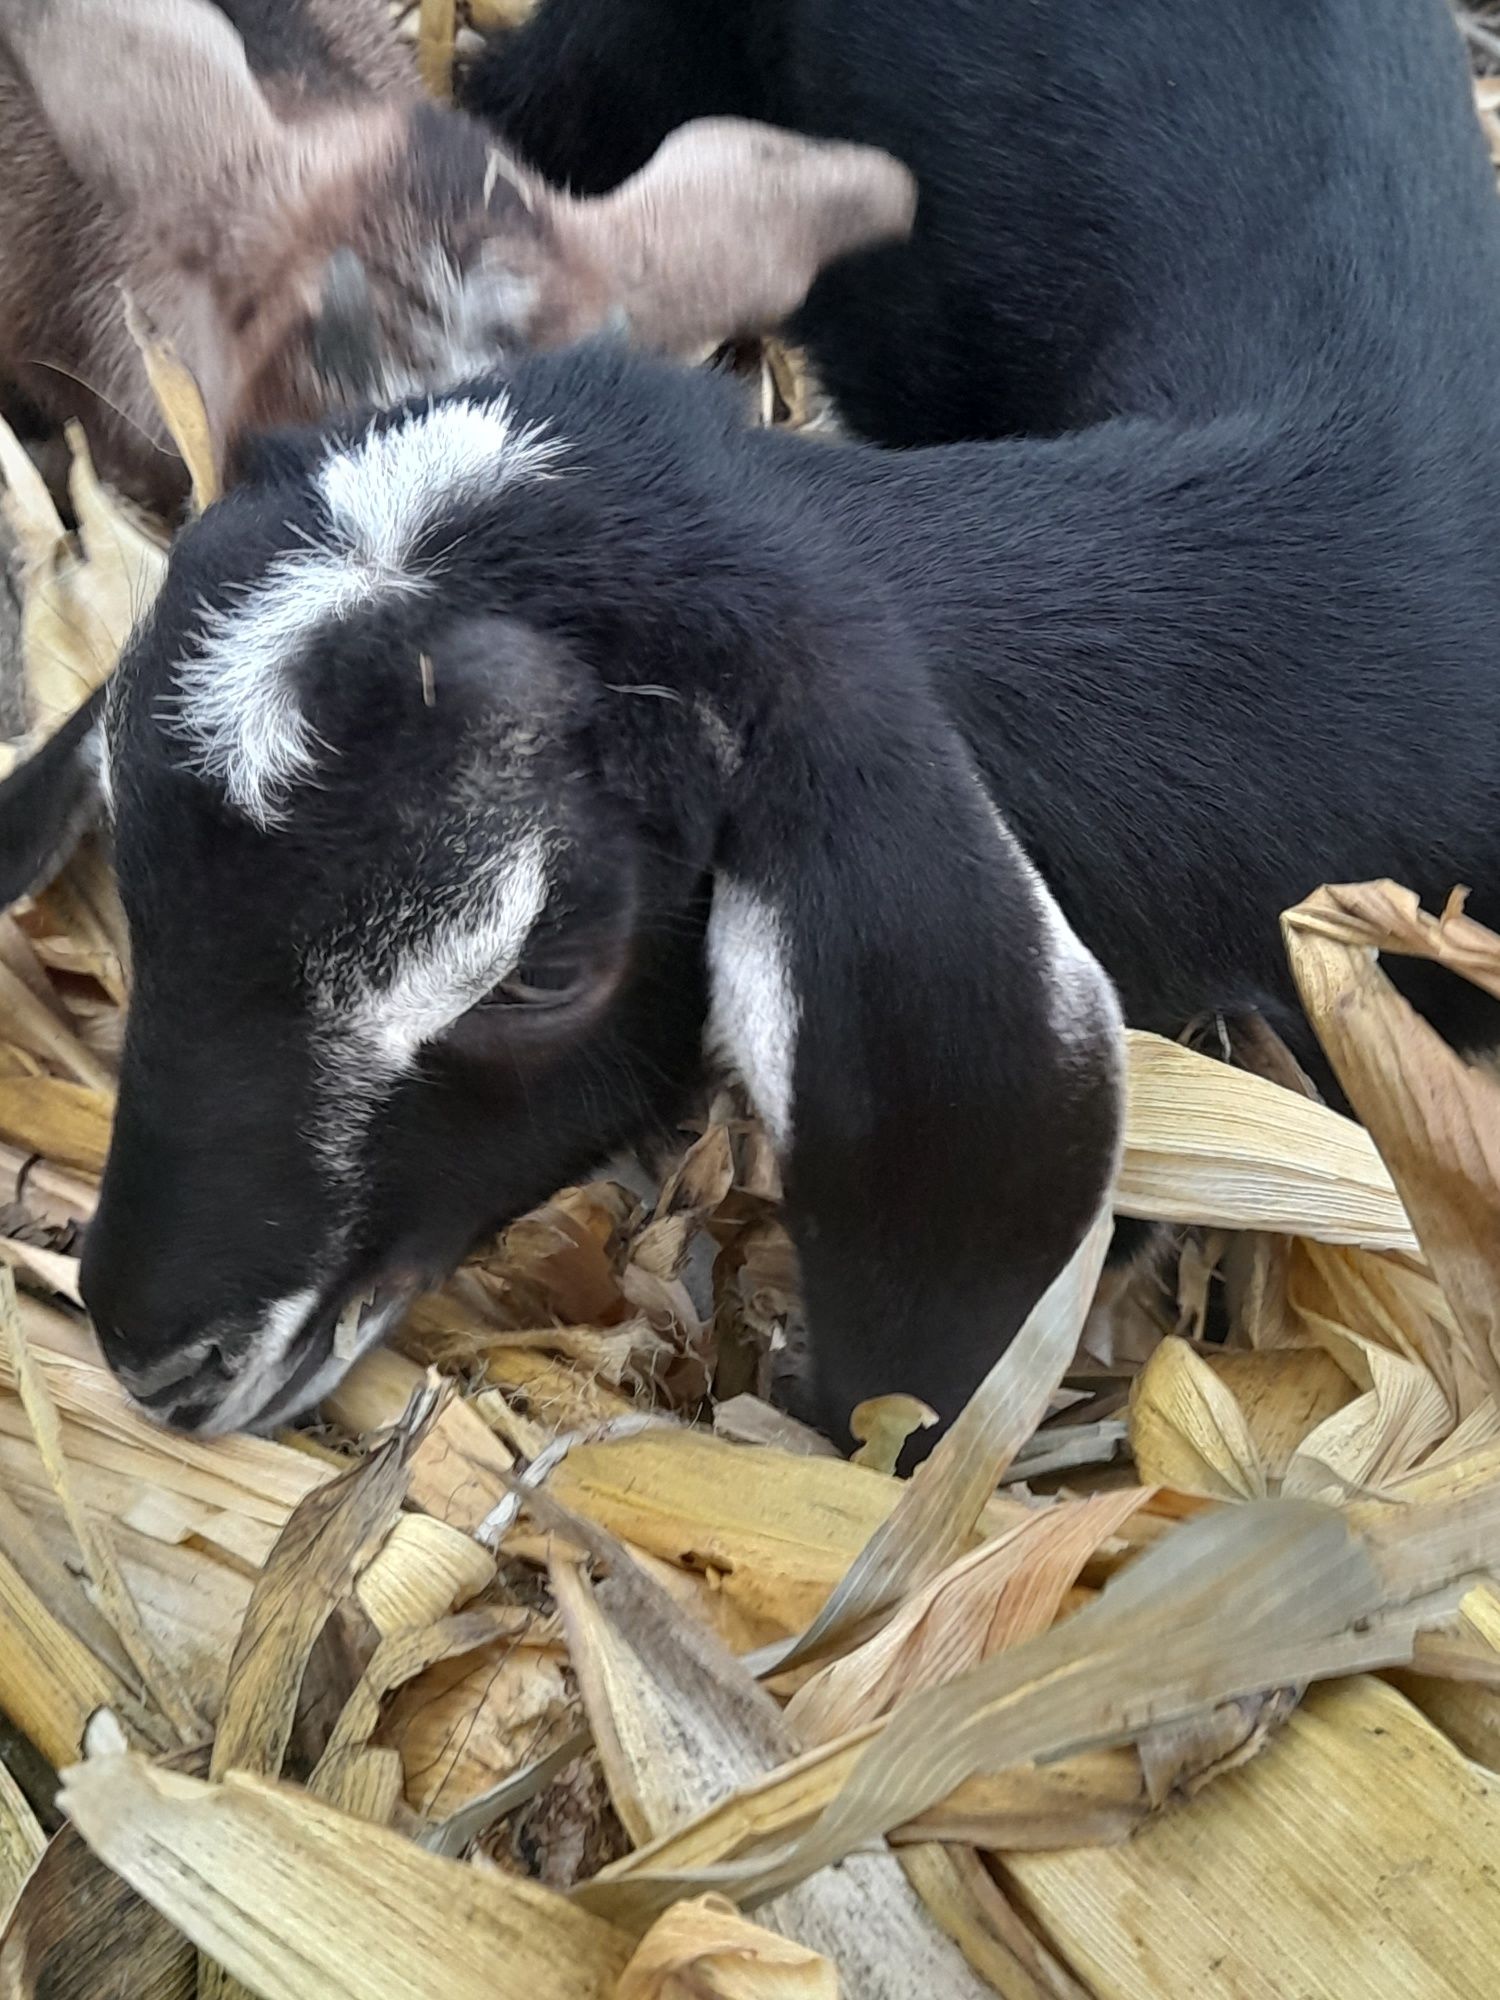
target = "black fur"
x: 48, y: 802
x: 1124, y: 207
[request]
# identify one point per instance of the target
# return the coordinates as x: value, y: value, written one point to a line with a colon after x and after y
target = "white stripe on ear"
x: 753, y: 1012
x: 1084, y: 1001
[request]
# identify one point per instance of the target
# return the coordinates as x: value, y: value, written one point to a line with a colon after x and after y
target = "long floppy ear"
x: 938, y: 1058
x: 722, y: 234
x: 48, y: 803
x: 142, y: 96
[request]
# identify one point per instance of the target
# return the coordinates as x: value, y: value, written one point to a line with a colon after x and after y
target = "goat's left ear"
x: 938, y: 1058
x: 724, y: 230
x: 48, y: 803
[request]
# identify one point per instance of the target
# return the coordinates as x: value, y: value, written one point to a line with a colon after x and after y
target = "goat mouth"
x: 334, y: 1336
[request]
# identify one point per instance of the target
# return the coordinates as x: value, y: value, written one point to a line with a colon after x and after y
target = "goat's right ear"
x: 938, y: 1058
x: 48, y: 803
x: 141, y: 95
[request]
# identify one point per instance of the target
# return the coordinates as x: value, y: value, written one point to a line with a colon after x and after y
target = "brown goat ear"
x: 142, y: 96
x: 722, y: 233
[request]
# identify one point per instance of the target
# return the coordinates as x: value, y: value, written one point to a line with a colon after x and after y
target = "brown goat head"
x: 309, y: 243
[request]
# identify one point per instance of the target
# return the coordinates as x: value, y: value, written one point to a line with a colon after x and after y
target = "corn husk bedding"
x: 553, y: 1661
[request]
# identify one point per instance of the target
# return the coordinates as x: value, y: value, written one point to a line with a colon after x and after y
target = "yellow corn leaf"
x: 883, y: 1424
x: 180, y: 401
x: 778, y: 1529
x: 489, y: 16
x: 1481, y: 1608
x: 706, y: 1950
x: 301, y: 1902
x: 68, y: 1122
x: 1215, y: 1146
x: 1435, y: 1119
x: 1188, y: 1432
x: 423, y: 1570
x: 1355, y: 1857
x: 457, y: 1469
x: 437, y: 25
x: 1283, y: 1394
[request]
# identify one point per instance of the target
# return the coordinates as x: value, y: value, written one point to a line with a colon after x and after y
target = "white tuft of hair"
x: 238, y: 703
x: 753, y: 1009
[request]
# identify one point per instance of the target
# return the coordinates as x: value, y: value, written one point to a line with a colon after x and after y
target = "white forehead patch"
x: 237, y: 697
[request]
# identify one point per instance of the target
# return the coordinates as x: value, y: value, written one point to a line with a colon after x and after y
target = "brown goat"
x: 265, y: 179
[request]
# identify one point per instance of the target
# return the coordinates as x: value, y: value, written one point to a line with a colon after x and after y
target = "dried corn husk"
x: 705, y: 1950
x: 1359, y: 1849
x: 1436, y: 1120
x: 302, y: 1902
x: 1208, y: 1144
x: 79, y: 600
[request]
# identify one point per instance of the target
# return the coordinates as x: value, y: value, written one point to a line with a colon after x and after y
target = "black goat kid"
x: 1125, y: 206
x: 534, y: 743
x: 483, y: 772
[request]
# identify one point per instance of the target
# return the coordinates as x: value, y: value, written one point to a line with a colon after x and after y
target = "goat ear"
x: 723, y: 232
x: 140, y: 94
x: 936, y: 1055
x: 48, y: 803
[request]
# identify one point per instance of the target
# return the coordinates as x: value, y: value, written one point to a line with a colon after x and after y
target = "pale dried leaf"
x: 91, y: 1535
x: 705, y: 1950
x: 1376, y: 1438
x: 1238, y: 1599
x: 1210, y: 1145
x: 1435, y: 1119
x: 1007, y: 1590
x: 254, y: 1873
x: 1187, y: 1431
x: 21, y: 1842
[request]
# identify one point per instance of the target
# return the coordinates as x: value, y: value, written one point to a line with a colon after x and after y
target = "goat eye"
x: 546, y: 983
